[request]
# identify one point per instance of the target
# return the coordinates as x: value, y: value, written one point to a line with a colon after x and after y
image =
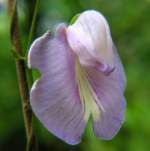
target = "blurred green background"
x: 130, y: 25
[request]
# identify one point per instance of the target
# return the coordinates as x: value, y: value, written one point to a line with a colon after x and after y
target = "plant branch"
x: 31, y: 34
x: 22, y: 79
x: 32, y: 29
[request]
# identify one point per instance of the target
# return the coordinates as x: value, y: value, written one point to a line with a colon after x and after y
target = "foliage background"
x: 130, y: 25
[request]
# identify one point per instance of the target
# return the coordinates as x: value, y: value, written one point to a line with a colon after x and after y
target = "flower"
x: 82, y: 76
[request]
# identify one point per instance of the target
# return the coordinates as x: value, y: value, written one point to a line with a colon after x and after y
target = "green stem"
x: 21, y: 73
x: 32, y: 29
x: 31, y: 34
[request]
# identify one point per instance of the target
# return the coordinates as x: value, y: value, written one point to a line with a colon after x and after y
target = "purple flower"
x: 82, y: 76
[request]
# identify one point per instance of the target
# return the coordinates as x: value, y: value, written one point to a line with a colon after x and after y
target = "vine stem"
x: 21, y: 73
x: 31, y: 34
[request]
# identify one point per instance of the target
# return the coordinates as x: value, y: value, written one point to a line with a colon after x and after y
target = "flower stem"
x: 22, y: 79
x: 31, y: 34
x: 32, y: 29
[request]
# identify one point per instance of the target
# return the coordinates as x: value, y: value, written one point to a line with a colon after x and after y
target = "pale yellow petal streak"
x: 87, y: 95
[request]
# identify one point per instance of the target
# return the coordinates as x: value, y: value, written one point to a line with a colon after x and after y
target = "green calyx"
x: 74, y: 19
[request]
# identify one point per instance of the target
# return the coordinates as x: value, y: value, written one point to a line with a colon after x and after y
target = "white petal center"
x: 87, y: 95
